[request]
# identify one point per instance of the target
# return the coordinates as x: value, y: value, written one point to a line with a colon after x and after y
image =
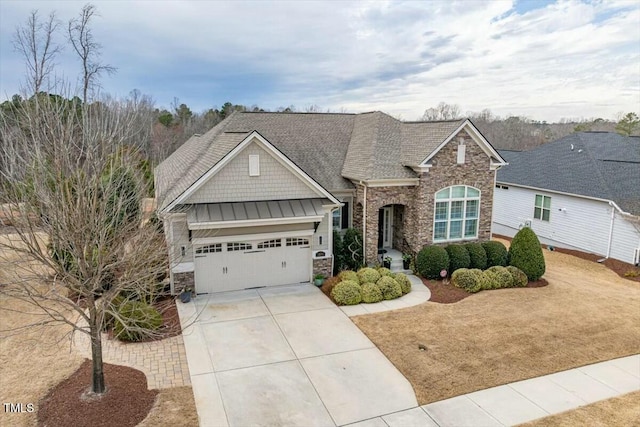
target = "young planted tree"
x: 71, y: 187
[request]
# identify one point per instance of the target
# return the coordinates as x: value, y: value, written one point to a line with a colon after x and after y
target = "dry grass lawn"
x: 586, y: 314
x: 619, y: 411
x: 35, y: 360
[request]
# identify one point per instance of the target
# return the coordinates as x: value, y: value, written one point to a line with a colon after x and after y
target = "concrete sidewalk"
x: 523, y: 401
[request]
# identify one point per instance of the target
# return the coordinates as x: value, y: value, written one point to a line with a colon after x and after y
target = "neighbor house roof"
x: 602, y: 165
x: 330, y: 148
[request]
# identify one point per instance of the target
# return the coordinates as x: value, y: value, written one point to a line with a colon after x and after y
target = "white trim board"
x: 248, y: 237
x: 254, y: 222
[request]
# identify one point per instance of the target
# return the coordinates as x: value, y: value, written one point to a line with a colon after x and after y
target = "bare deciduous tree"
x: 72, y: 188
x: 87, y: 49
x: 34, y: 40
x: 442, y: 111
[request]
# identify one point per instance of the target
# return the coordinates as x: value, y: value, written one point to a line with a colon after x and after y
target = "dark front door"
x: 380, y: 228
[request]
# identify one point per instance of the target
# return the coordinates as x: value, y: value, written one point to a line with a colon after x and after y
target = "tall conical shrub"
x: 526, y: 254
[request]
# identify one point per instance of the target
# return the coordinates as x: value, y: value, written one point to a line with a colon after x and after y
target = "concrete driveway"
x: 285, y: 356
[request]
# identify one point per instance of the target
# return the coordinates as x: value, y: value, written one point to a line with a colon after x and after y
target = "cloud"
x: 562, y: 59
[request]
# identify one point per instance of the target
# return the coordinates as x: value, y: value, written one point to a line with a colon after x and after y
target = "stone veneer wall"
x: 419, y: 201
x: 322, y: 266
x: 180, y: 280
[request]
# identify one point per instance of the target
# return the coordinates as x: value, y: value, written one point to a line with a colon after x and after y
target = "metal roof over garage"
x: 255, y: 211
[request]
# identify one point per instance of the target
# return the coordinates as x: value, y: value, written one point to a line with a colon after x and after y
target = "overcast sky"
x: 544, y: 60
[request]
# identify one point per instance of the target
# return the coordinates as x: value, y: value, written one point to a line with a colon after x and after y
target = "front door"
x: 385, y: 227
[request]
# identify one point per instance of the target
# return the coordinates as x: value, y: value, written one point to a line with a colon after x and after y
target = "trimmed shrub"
x: 389, y: 287
x: 520, y: 279
x: 489, y: 280
x: 496, y: 253
x: 371, y: 293
x: 137, y: 321
x: 403, y: 280
x: 384, y: 272
x: 526, y: 254
x: 368, y: 274
x: 458, y: 257
x: 431, y: 261
x: 466, y: 279
x: 347, y: 292
x: 349, y: 275
x: 505, y: 279
x: 477, y: 255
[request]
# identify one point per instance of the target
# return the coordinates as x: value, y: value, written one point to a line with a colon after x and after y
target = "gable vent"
x: 254, y: 165
x: 461, y: 151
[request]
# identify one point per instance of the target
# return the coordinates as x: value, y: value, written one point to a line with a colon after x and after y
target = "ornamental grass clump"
x: 347, y: 292
x: 368, y: 274
x: 520, y: 279
x: 431, y: 261
x: 525, y: 253
x: 496, y: 253
x: 389, y: 287
x: 477, y: 255
x: 371, y: 293
x: 458, y: 257
x: 467, y: 279
x: 403, y: 280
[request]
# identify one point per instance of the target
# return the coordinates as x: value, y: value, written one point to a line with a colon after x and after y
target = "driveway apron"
x: 285, y: 356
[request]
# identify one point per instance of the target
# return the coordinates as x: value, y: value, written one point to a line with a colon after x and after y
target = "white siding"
x: 233, y: 183
x: 180, y: 235
x: 575, y: 222
x: 626, y: 238
x: 323, y: 231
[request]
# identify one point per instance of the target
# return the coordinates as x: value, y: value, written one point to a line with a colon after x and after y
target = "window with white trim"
x: 542, y: 209
x: 337, y: 219
x: 456, y: 213
x: 297, y: 241
x: 209, y: 249
x: 274, y: 243
x: 238, y: 246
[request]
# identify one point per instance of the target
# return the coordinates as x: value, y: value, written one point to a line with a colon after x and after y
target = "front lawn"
x: 585, y: 315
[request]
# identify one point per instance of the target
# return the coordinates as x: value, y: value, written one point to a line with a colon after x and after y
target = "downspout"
x: 364, y: 224
x: 613, y: 216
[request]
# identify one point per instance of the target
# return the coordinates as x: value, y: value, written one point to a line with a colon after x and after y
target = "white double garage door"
x: 239, y: 264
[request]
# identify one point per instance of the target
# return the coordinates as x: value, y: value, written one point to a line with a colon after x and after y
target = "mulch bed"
x: 619, y: 267
x: 126, y: 402
x: 444, y: 292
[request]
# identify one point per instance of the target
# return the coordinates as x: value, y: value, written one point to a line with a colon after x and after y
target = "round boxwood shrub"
x: 368, y: 274
x: 489, y: 280
x: 496, y: 253
x: 431, y: 261
x: 371, y: 293
x: 458, y: 257
x: 520, y: 279
x: 505, y: 279
x: 389, y: 287
x: 525, y: 253
x: 384, y: 271
x: 347, y: 292
x: 403, y: 280
x: 466, y: 279
x: 477, y: 255
x: 349, y: 275
x: 137, y: 321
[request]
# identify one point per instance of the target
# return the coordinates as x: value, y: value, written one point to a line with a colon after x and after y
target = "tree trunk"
x: 96, y: 353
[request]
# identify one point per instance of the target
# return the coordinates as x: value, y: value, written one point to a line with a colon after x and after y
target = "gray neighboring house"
x: 254, y: 201
x: 579, y: 192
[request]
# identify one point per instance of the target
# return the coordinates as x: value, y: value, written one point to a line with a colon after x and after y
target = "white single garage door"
x: 239, y: 264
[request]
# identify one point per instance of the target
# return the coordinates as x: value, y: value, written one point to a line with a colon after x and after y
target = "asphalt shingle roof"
x: 328, y: 147
x: 604, y: 165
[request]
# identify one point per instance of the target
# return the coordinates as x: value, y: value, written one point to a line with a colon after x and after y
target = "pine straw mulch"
x: 126, y: 403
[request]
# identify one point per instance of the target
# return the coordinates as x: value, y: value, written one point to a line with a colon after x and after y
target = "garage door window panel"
x: 275, y: 243
x: 209, y: 249
x: 296, y: 241
x: 238, y: 246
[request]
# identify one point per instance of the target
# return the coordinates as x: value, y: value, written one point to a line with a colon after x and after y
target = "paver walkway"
x: 163, y: 362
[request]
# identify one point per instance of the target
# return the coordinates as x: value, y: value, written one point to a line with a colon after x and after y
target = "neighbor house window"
x: 542, y: 209
x: 456, y: 213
